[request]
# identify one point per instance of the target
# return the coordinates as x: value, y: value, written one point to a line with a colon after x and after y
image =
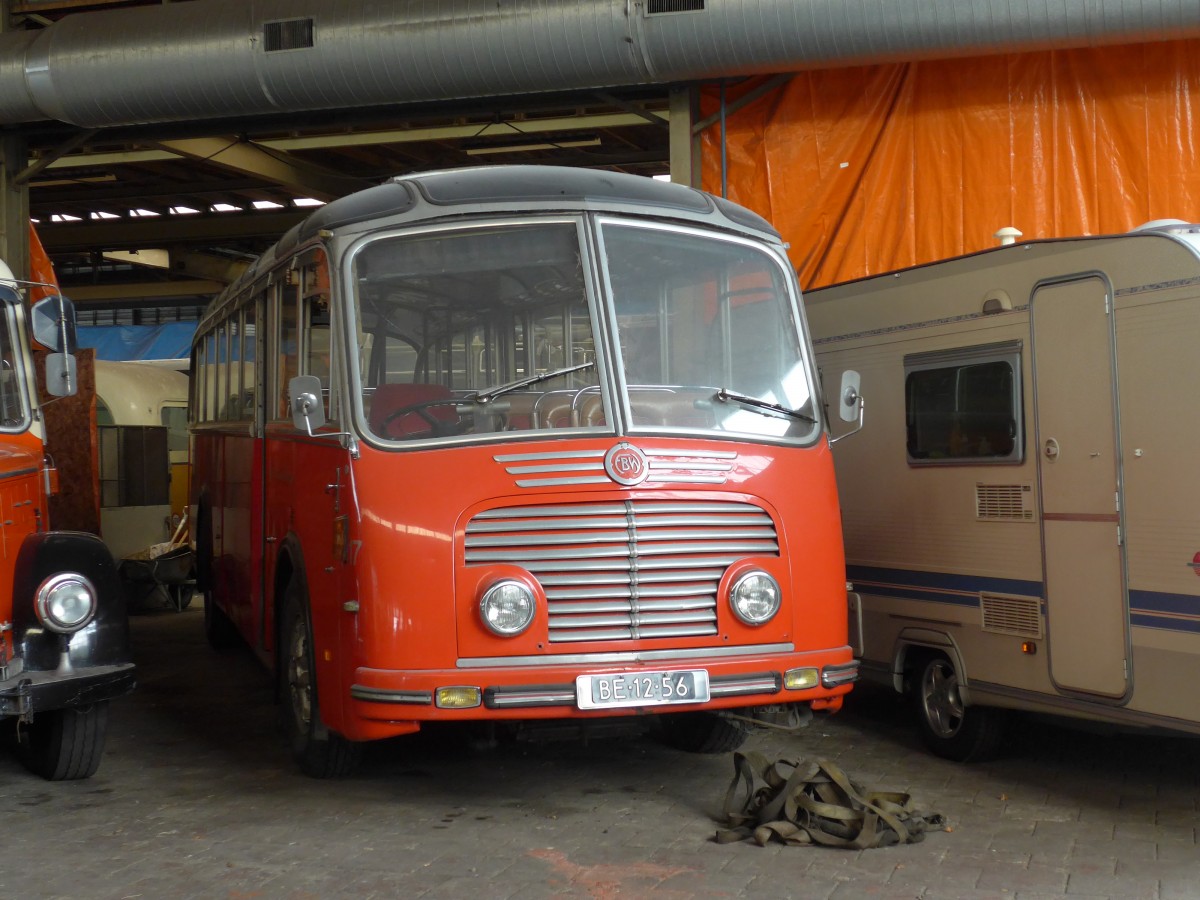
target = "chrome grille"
x: 628, y: 569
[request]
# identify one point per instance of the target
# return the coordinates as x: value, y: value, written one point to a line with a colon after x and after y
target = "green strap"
x: 799, y: 803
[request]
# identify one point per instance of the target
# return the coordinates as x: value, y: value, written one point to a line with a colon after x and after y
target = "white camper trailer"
x: 1022, y: 510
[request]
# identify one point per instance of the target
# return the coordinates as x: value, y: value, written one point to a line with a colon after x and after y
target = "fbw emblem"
x: 626, y: 465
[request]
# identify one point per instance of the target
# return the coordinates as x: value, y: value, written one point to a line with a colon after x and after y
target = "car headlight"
x: 507, y: 608
x: 65, y: 602
x: 755, y: 597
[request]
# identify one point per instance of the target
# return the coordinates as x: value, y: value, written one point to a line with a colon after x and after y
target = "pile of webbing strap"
x: 815, y: 803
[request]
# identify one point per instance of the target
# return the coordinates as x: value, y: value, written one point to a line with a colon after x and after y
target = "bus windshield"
x: 498, y: 328
x: 14, y: 413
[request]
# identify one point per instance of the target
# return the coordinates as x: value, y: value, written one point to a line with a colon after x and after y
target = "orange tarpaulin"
x: 869, y: 169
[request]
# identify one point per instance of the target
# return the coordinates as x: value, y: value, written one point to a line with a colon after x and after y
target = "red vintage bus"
x: 64, y: 635
x: 517, y: 444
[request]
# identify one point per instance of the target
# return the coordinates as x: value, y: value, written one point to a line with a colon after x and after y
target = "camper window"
x: 964, y: 406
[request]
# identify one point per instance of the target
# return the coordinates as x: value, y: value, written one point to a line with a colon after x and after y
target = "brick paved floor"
x: 197, y: 798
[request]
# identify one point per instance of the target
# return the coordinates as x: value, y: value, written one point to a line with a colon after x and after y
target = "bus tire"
x: 948, y: 727
x: 701, y: 732
x: 65, y: 744
x: 320, y: 752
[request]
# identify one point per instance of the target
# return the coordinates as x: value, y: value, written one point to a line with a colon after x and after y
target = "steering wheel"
x: 437, y: 427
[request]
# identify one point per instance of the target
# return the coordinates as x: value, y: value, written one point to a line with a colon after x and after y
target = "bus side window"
x: 288, y: 354
x: 316, y: 323
x: 248, y: 363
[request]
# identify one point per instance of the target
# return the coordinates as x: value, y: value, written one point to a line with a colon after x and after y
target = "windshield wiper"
x: 492, y: 393
x: 725, y: 395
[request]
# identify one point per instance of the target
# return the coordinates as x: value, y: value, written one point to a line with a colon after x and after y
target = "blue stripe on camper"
x: 1147, y: 609
x: 937, y: 587
x: 1170, y: 612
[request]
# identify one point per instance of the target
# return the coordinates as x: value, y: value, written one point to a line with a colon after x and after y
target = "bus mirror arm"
x: 851, y: 404
x: 309, y: 414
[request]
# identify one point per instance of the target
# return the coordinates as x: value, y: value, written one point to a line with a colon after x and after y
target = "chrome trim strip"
x: 382, y: 695
x: 552, y: 512
x: 687, y: 454
x: 616, y: 535
x: 603, y: 659
x: 698, y: 466
x: 620, y: 602
x: 692, y: 479
x: 839, y: 674
x: 565, y: 454
x: 493, y: 699
x: 743, y: 684
x: 557, y: 467
x: 17, y: 473
x: 617, y: 520
x: 608, y: 564
x: 555, y: 482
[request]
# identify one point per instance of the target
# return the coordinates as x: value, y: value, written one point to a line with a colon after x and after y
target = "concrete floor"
x: 197, y: 797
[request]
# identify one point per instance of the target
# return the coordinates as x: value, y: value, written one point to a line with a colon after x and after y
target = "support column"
x: 685, y: 141
x: 14, y: 205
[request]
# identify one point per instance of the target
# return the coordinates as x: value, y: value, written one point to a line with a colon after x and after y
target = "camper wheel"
x: 949, y: 728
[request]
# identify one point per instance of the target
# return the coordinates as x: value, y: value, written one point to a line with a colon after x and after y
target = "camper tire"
x: 319, y: 752
x: 64, y: 744
x: 701, y: 732
x: 948, y: 727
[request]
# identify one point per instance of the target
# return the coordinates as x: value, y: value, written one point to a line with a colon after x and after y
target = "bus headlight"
x: 507, y: 608
x: 65, y: 602
x: 755, y: 597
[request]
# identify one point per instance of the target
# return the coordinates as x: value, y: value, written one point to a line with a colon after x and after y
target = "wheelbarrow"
x: 161, y: 575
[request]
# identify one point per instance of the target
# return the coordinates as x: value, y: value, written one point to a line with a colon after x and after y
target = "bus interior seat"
x: 553, y: 409
x: 389, y: 398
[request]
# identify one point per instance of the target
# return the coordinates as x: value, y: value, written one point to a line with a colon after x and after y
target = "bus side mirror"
x: 53, y: 323
x: 850, y: 403
x: 304, y: 393
x: 850, y: 400
x: 60, y: 375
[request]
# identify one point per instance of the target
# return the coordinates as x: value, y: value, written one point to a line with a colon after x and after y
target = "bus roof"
x: 428, y: 196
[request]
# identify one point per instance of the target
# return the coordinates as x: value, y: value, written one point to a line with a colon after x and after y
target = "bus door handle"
x: 270, y: 540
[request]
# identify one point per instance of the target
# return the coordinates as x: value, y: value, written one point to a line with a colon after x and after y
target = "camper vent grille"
x: 659, y: 7
x: 1005, y: 502
x: 287, y: 34
x: 1021, y: 616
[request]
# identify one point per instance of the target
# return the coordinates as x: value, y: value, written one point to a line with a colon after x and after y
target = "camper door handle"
x: 1051, y: 448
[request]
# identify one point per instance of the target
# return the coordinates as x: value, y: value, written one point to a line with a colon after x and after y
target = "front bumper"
x: 31, y: 692
x: 549, y: 691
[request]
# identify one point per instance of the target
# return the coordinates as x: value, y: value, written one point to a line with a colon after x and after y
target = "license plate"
x: 641, y: 689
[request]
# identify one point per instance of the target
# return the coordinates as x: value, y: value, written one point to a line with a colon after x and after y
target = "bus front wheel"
x: 65, y: 744
x: 701, y: 732
x: 320, y: 752
x: 949, y: 728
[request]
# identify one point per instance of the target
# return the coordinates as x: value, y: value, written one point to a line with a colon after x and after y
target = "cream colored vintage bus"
x: 1022, y: 510
x: 141, y: 393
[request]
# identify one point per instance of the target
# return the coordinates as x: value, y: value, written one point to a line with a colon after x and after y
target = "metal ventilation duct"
x: 213, y: 58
